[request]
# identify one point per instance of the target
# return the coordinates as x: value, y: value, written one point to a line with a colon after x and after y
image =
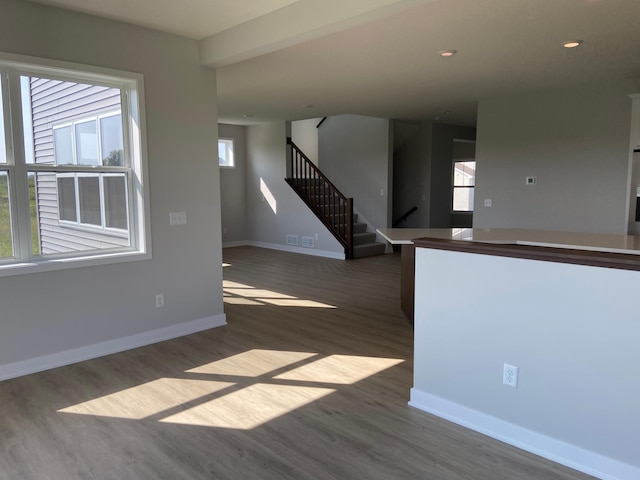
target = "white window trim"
x: 233, y: 143
x: 133, y: 104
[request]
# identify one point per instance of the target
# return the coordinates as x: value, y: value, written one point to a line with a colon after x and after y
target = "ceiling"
x: 291, y: 60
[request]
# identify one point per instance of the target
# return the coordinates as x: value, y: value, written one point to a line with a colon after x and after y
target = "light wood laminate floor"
x: 310, y: 380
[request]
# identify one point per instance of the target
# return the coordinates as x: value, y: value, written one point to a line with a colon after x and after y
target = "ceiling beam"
x: 299, y: 22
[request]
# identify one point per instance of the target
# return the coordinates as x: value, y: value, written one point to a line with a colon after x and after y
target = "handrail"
x: 404, y: 217
x: 321, y: 122
x: 331, y: 207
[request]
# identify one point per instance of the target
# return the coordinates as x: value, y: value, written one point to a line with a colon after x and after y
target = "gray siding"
x: 55, y: 102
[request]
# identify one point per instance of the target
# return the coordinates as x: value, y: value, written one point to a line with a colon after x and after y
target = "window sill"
x: 64, y: 263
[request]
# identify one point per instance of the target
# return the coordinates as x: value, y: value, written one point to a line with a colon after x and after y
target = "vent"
x: 307, y: 242
x: 292, y: 240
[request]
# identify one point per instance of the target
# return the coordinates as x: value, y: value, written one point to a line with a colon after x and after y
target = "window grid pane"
x: 3, y: 145
x: 87, y: 143
x: 6, y: 243
x: 67, y: 199
x: 89, y: 200
x: 115, y: 202
x: 32, y: 179
x: 111, y: 141
x: 63, y: 145
x: 463, y: 199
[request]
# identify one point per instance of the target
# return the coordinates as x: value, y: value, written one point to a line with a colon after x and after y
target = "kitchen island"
x: 560, y: 308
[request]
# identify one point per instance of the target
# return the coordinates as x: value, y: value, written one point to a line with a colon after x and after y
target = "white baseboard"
x: 241, y: 243
x: 302, y: 250
x: 551, y: 448
x: 59, y: 359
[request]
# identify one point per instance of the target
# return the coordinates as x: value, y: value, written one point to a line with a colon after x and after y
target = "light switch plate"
x: 177, y: 218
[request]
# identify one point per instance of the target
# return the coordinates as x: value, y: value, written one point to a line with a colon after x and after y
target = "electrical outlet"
x: 159, y: 300
x: 510, y: 375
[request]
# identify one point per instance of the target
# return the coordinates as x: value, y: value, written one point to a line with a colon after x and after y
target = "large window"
x: 70, y: 167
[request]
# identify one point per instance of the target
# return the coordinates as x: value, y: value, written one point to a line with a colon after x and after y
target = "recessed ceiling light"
x: 447, y: 53
x: 247, y: 115
x: 572, y: 44
x: 307, y: 106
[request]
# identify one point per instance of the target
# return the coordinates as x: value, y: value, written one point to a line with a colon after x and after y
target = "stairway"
x: 364, y: 243
x: 330, y: 206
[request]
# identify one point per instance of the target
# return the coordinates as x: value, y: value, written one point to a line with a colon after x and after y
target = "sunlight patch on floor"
x: 235, y: 293
x: 242, y: 391
x: 250, y: 407
x: 252, y: 363
x: 148, y: 399
x: 339, y: 369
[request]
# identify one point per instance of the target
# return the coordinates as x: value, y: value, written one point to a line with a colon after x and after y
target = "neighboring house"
x: 77, y: 124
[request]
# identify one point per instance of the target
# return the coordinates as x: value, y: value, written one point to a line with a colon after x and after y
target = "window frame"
x: 226, y: 140
x: 131, y: 86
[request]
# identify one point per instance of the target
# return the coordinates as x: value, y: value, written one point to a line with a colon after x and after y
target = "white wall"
x: 63, y: 311
x: 355, y: 154
x: 267, y: 191
x: 573, y: 332
x: 233, y: 201
x: 575, y: 140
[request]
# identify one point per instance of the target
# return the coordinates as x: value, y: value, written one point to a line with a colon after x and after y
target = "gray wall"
x: 572, y: 331
x: 233, y: 187
x: 411, y: 167
x: 304, y: 134
x: 576, y: 141
x: 55, y: 311
x: 266, y: 165
x: 440, y: 189
x: 422, y: 170
x: 355, y: 153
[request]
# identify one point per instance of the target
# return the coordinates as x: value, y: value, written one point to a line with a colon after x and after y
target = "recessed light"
x: 572, y: 44
x: 307, y: 106
x: 247, y: 115
x: 447, y: 53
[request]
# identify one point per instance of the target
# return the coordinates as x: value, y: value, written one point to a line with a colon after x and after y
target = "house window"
x: 464, y: 175
x: 225, y: 152
x: 93, y: 200
x: 71, y: 167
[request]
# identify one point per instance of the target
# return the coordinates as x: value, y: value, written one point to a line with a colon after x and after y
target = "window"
x: 225, y: 152
x: 464, y: 175
x: 71, y: 167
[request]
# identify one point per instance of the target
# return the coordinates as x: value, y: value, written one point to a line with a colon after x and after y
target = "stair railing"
x: 331, y: 207
x: 404, y: 217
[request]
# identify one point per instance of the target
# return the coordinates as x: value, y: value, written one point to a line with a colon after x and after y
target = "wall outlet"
x: 531, y: 180
x: 510, y: 375
x: 488, y: 202
x: 159, y: 300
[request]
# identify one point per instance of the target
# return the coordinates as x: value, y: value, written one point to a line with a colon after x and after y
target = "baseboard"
x: 302, y: 250
x: 59, y: 359
x: 241, y: 243
x: 553, y: 449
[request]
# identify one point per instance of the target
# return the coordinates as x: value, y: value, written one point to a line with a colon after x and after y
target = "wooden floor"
x: 310, y: 380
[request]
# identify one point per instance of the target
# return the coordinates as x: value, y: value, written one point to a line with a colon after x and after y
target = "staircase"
x: 364, y: 243
x: 331, y: 207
